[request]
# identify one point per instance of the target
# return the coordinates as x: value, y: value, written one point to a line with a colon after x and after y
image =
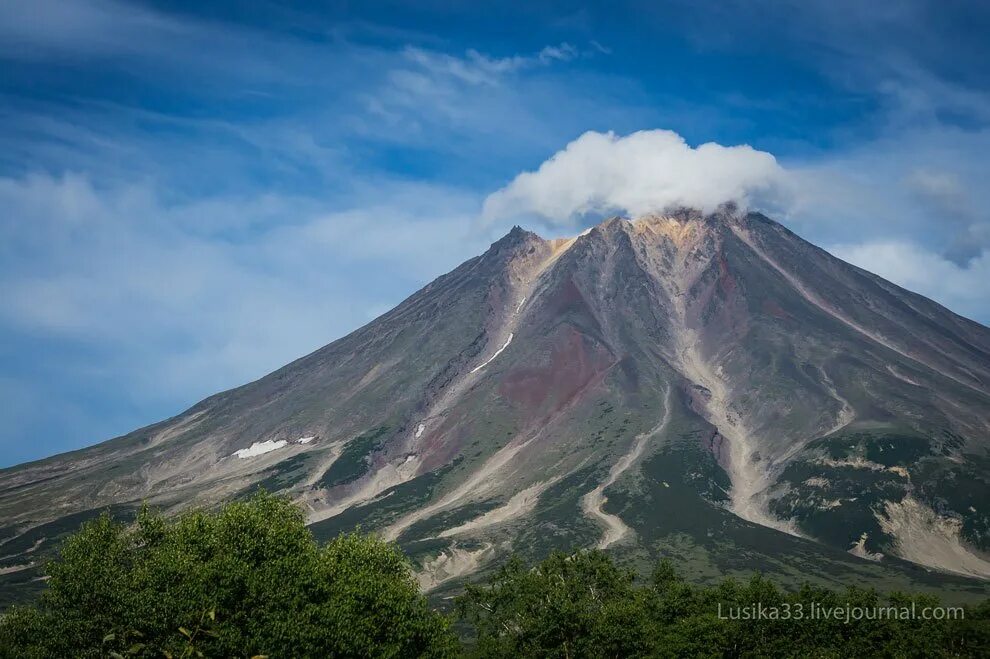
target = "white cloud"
x: 961, y: 288
x: 163, y: 303
x: 513, y: 100
x: 600, y: 173
x: 948, y: 198
x: 478, y: 68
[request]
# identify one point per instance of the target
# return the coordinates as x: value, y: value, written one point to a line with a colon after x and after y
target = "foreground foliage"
x: 583, y: 605
x: 250, y: 581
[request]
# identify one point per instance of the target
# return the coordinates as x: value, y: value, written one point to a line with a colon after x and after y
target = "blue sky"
x: 193, y: 196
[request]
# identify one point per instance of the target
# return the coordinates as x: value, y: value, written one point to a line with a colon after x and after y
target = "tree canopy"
x: 246, y: 580
x: 249, y: 580
x: 583, y: 605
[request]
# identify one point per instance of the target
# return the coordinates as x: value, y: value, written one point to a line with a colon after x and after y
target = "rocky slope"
x: 708, y: 387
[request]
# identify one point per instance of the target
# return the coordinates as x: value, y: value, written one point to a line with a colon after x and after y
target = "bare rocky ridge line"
x: 749, y: 478
x: 485, y: 384
x: 405, y: 470
x: 838, y: 315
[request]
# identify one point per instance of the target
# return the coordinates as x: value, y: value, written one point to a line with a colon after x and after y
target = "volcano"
x: 706, y: 387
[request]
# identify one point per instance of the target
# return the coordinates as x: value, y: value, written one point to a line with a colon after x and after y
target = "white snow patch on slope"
x: 260, y: 448
x: 420, y: 429
x: 497, y: 353
x: 305, y: 440
x: 923, y: 536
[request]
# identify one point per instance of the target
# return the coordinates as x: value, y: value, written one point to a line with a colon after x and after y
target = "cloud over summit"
x: 645, y: 171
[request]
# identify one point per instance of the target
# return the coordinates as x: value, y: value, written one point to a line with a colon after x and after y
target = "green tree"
x: 580, y: 605
x: 585, y: 606
x: 247, y: 580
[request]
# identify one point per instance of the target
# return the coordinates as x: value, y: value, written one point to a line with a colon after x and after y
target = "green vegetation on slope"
x: 583, y: 605
x: 250, y: 580
x: 353, y: 461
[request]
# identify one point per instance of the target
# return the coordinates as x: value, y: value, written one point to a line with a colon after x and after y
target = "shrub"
x: 582, y: 605
x: 246, y: 580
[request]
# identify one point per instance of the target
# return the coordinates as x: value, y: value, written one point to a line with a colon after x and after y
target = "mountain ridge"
x: 539, y: 385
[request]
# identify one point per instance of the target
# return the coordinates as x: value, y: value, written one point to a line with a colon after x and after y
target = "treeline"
x: 250, y: 581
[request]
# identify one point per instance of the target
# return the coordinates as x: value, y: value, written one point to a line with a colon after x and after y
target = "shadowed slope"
x: 678, y: 382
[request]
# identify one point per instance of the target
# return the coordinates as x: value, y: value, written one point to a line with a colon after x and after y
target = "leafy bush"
x: 248, y: 580
x: 582, y: 605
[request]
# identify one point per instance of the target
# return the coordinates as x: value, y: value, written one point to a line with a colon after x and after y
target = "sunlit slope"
x: 710, y: 387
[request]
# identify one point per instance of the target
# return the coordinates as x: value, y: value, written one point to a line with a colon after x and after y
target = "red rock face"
x: 720, y: 356
x: 574, y: 362
x: 771, y: 307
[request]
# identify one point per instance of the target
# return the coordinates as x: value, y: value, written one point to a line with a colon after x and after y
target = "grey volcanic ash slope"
x: 709, y: 387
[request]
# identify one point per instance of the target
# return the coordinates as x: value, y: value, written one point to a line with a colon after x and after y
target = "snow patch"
x: 260, y: 448
x: 492, y: 358
x: 305, y: 440
x: 419, y: 430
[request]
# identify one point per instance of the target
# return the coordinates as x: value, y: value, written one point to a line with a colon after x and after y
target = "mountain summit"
x: 705, y: 386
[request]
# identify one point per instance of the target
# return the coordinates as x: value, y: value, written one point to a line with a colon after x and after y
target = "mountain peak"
x: 721, y: 376
x: 512, y: 241
x: 675, y: 222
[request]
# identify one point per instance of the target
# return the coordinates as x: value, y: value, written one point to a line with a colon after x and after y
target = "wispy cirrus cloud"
x: 192, y: 198
x: 170, y: 302
x: 242, y: 209
x: 479, y: 69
